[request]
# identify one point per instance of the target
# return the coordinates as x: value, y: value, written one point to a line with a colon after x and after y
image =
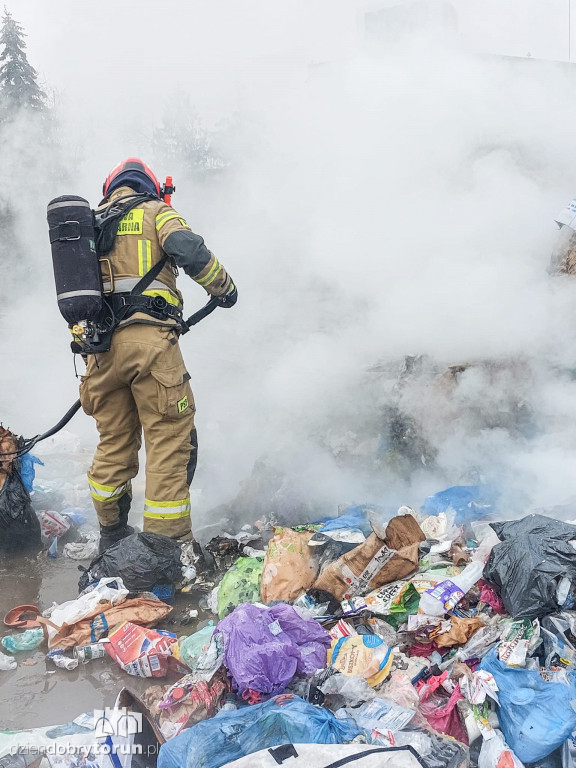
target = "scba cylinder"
x: 74, y: 258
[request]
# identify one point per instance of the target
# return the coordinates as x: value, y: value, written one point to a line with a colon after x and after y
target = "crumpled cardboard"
x: 144, y: 611
x: 388, y: 554
x: 460, y: 631
x: 289, y: 566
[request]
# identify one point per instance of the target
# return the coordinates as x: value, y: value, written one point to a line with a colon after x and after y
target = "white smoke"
x: 377, y: 205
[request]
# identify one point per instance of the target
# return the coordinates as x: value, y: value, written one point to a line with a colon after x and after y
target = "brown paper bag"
x: 388, y: 554
x: 139, y: 610
x: 289, y: 566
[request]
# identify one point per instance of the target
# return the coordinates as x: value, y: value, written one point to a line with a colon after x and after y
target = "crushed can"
x: 85, y: 653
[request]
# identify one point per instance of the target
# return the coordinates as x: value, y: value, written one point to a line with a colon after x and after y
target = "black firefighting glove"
x: 229, y: 299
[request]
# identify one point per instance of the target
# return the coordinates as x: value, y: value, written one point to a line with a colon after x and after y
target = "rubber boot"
x: 110, y: 534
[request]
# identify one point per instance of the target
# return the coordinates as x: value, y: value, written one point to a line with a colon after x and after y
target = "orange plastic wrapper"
x: 139, y: 610
x: 387, y: 555
x: 289, y: 566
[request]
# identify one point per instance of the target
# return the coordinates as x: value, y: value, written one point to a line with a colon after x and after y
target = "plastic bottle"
x: 447, y: 594
x: 27, y: 641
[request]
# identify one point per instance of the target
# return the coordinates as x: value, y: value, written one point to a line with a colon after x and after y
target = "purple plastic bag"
x: 266, y: 647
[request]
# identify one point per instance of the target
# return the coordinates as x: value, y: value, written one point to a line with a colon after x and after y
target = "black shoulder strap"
x: 106, y: 221
x: 152, y: 274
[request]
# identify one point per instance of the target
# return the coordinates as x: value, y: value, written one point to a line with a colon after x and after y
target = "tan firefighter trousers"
x: 141, y: 384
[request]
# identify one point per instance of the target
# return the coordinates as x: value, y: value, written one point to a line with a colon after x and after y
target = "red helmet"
x: 134, y: 173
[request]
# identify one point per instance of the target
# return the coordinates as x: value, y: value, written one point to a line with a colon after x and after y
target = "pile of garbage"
x: 438, y: 638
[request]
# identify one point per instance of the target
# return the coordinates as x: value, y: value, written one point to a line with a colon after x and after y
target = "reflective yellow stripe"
x: 144, y: 256
x: 163, y: 218
x: 170, y: 298
x: 107, y: 492
x: 166, y: 510
x: 211, y: 276
x: 166, y: 515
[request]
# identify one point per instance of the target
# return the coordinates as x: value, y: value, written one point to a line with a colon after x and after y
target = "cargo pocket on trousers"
x: 174, y: 392
x: 85, y: 398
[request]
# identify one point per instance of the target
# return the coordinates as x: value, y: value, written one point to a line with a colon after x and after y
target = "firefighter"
x: 141, y: 384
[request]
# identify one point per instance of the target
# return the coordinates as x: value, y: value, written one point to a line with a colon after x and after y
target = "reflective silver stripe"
x: 127, y: 283
x: 71, y: 294
x: 69, y: 204
x: 174, y: 508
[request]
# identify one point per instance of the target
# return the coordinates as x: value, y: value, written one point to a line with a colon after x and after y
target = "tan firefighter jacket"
x: 145, y: 234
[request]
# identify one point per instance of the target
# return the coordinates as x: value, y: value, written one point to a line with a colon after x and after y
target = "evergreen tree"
x: 18, y: 79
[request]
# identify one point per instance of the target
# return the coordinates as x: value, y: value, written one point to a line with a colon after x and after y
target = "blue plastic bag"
x: 470, y: 502
x: 232, y: 735
x: 536, y: 716
x: 27, y: 471
x: 355, y: 517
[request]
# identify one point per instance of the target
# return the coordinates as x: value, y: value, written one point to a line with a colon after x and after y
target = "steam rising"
x: 375, y: 205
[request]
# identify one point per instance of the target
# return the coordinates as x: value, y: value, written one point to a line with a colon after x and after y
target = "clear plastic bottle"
x: 447, y: 594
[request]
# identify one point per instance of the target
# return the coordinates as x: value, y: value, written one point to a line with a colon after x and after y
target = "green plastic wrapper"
x: 393, y: 602
x: 241, y: 584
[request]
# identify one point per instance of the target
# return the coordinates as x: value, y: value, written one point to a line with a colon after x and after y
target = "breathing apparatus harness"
x: 80, y: 240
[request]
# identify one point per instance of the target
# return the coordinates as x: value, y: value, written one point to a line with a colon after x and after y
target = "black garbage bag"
x: 19, y: 526
x: 527, y: 571
x: 141, y: 560
x: 535, y: 524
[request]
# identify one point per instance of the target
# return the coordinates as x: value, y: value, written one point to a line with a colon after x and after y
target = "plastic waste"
x: 19, y: 526
x: 109, y: 590
x: 470, y: 502
x: 7, y: 663
x: 266, y: 647
x: 366, y: 655
x: 62, y: 661
x: 27, y: 641
x: 538, y: 525
x: 396, y: 601
x: 53, y: 548
x: 535, y: 710
x: 354, y: 689
x: 559, y: 636
x: 439, y: 708
x: 53, y: 524
x: 75, y: 514
x: 447, y: 594
x: 27, y: 470
x: 232, y: 735
x: 495, y: 753
x: 355, y: 519
x: 335, y: 755
x: 193, y: 646
x: 83, y: 550
x: 381, y: 715
x: 251, y: 552
x: 527, y: 568
x: 241, y: 584
x: 141, y: 560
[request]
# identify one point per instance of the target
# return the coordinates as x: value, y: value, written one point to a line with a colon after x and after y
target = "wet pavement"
x: 38, y: 693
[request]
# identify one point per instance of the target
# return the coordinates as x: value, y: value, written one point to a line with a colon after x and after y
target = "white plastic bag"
x: 495, y: 753
x: 111, y: 590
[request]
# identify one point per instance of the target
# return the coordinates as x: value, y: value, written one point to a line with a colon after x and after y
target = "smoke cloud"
x: 373, y: 203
